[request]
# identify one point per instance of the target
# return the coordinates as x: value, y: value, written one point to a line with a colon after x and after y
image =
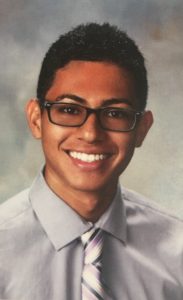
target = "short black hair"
x: 95, y: 42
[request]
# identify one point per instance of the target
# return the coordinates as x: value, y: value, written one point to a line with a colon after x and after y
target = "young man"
x: 76, y: 234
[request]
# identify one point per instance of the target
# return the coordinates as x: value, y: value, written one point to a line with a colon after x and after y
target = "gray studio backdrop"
x: 28, y: 27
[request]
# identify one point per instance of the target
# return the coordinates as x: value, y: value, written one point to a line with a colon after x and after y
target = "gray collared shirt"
x: 41, y: 255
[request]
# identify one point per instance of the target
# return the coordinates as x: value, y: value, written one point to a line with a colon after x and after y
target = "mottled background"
x: 28, y: 27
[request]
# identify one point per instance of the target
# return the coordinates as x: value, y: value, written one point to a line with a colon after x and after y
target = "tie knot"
x: 92, y: 241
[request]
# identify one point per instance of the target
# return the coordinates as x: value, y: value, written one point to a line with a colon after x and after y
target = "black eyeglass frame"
x: 48, y: 104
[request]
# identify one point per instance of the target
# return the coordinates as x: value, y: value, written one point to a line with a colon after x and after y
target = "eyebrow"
x: 105, y: 102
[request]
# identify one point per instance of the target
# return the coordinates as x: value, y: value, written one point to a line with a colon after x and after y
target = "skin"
x: 87, y: 187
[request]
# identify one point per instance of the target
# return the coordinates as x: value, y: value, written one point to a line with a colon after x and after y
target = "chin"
x: 95, y: 186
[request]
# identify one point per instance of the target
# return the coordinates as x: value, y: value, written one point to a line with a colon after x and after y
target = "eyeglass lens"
x: 67, y: 114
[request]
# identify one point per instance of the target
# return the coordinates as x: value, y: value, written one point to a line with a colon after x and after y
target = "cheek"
x: 51, y: 136
x: 55, y: 137
x: 125, y: 143
x: 125, y: 148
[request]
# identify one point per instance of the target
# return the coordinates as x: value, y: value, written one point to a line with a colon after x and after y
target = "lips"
x: 89, y: 158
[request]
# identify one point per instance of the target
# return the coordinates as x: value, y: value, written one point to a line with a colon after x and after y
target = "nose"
x: 91, y: 131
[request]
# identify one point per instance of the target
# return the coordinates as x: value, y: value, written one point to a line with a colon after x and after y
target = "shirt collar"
x: 63, y: 225
x: 114, y: 219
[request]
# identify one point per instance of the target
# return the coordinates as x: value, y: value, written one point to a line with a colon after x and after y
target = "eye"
x: 117, y: 113
x: 68, y: 109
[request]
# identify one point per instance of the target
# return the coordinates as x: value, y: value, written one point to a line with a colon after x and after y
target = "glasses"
x: 74, y: 115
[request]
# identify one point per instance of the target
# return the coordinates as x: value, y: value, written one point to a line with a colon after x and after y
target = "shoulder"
x: 150, y: 225
x: 138, y: 206
x: 155, y: 235
x: 18, y: 225
x: 14, y: 207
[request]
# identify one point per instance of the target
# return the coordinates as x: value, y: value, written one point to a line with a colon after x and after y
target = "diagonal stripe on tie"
x: 92, y: 287
x: 91, y: 275
x: 89, y: 236
x: 90, y: 292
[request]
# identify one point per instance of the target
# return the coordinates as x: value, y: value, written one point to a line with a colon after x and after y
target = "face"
x: 87, y: 158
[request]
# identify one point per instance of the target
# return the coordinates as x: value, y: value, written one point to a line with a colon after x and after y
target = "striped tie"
x: 92, y: 288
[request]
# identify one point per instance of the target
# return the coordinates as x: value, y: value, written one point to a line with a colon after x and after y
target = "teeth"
x: 87, y: 157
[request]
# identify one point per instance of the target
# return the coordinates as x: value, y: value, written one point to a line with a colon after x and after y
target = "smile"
x: 87, y: 157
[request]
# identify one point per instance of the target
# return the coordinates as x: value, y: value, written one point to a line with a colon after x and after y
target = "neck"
x: 90, y: 205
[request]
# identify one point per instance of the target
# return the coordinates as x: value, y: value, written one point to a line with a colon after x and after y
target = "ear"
x: 33, y: 114
x: 144, y: 125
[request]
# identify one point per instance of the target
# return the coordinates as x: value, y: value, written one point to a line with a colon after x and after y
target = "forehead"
x: 93, y: 80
